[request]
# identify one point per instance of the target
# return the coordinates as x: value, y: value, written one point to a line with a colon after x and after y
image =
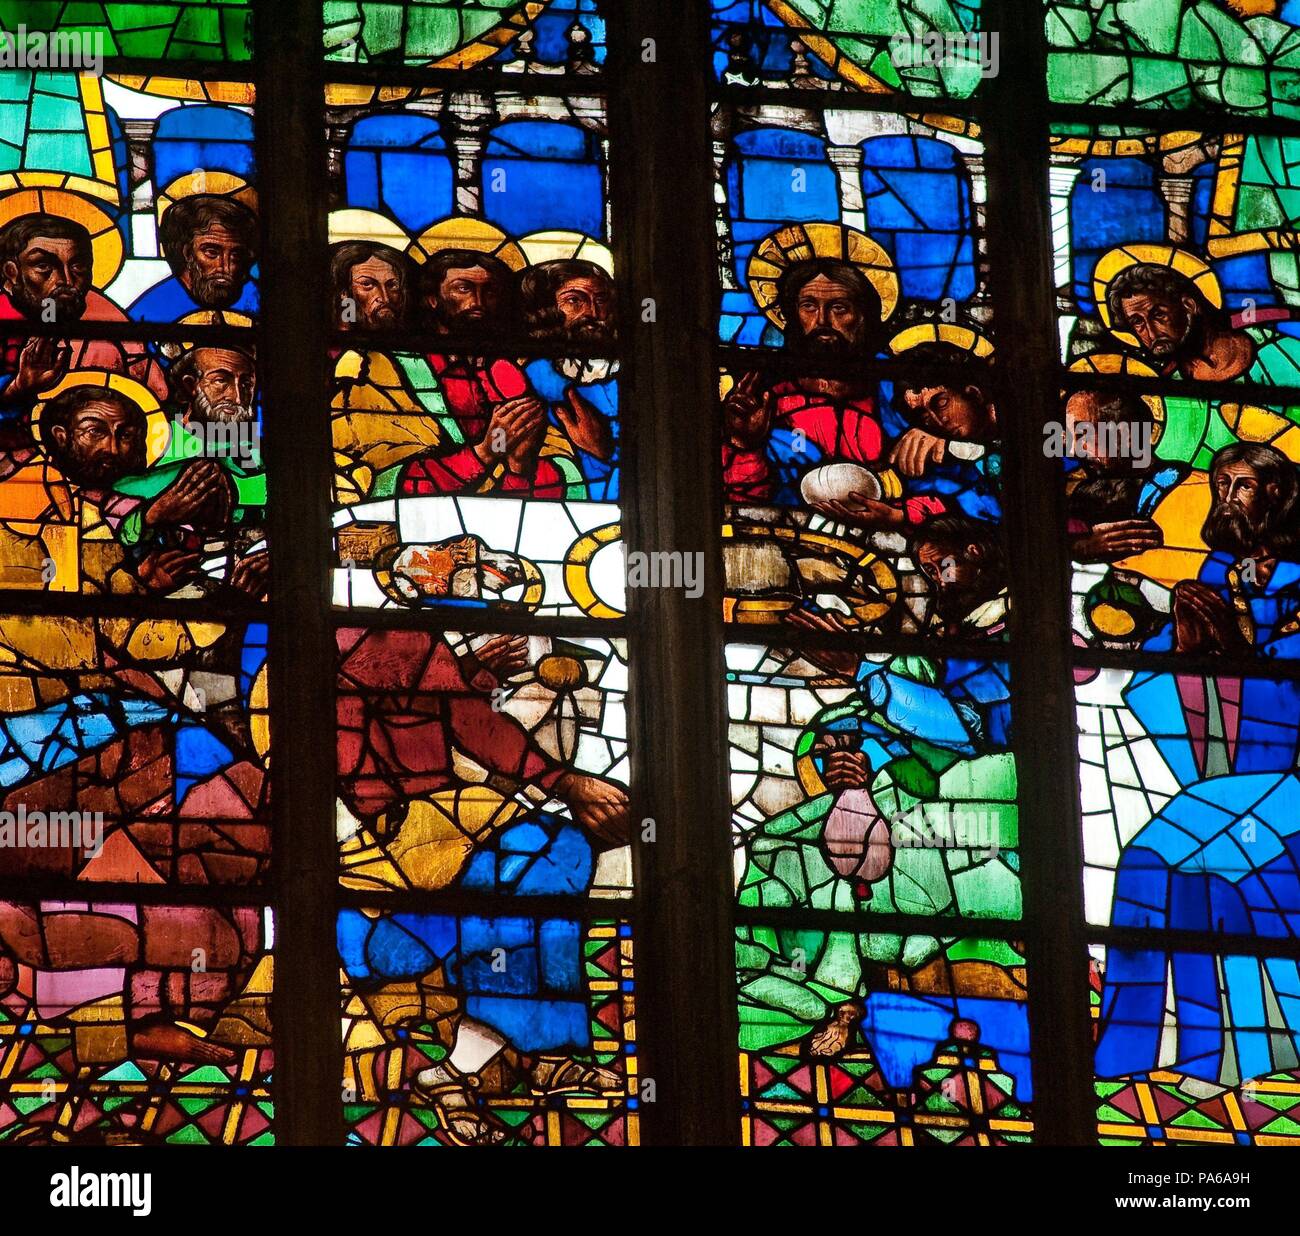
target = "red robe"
x: 836, y: 430
x: 130, y: 358
x: 472, y: 391
x: 403, y: 704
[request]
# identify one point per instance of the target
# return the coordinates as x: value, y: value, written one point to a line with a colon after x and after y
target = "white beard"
x: 221, y: 413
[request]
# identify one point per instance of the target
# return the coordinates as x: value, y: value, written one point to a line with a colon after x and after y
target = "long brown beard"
x: 831, y: 344
x: 589, y: 335
x: 212, y: 292
x: 1228, y: 530
x: 462, y: 326
x: 97, y: 474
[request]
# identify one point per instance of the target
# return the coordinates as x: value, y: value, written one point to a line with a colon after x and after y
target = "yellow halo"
x: 210, y: 184
x: 802, y: 241
x: 941, y: 332
x: 1113, y: 362
x: 558, y: 246
x: 1252, y: 422
x: 1121, y: 258
x: 105, y: 239
x: 209, y: 317
x: 577, y: 571
x: 158, y: 429
x: 472, y: 234
x: 353, y: 223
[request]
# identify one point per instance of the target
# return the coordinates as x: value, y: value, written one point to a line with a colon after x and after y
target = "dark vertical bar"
x: 292, y: 179
x: 662, y: 192
x: 1020, y: 248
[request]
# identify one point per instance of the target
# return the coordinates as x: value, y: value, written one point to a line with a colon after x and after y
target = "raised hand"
x: 747, y: 412
x: 514, y: 431
x: 42, y: 363
x: 588, y: 430
x: 1204, y: 621
x: 202, y: 495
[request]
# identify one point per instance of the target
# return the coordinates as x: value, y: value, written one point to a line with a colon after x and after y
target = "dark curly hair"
x: 434, y: 271
x: 1162, y: 282
x: 192, y: 215
x: 1281, y: 530
x: 538, y: 286
x: 942, y: 353
x: 16, y: 236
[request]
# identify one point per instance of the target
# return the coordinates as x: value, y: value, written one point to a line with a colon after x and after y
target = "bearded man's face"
x: 1238, y: 521
x: 957, y: 575
x: 832, y: 320
x: 50, y: 273
x: 101, y: 445
x: 217, y: 265
x: 1162, y: 324
x: 587, y: 307
x: 223, y: 388
x: 469, y: 302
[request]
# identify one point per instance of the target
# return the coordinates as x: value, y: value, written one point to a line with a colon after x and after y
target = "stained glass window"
x: 874, y: 46
x: 862, y: 475
x: 839, y: 493
x: 915, y: 1041
x: 139, y: 29
x: 1174, y: 288
x: 475, y: 421
x: 554, y: 37
x: 1174, y: 54
x: 1189, y: 814
x: 1194, y: 1048
x: 589, y: 573
x: 137, y: 735
x: 873, y: 361
x: 896, y: 779
x: 428, y: 505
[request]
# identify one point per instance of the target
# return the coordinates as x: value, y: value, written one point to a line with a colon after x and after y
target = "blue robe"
x: 538, y: 999
x: 1222, y: 855
x: 601, y: 475
x: 168, y: 301
x: 1273, y: 606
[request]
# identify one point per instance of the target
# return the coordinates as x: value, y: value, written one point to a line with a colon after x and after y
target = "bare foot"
x: 834, y: 1037
x: 163, y: 1042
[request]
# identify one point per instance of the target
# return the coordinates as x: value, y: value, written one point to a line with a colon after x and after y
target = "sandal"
x: 462, y: 1123
x: 560, y: 1075
x: 834, y: 1037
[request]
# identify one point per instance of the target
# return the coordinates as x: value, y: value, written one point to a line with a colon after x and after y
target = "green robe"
x: 182, y: 450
